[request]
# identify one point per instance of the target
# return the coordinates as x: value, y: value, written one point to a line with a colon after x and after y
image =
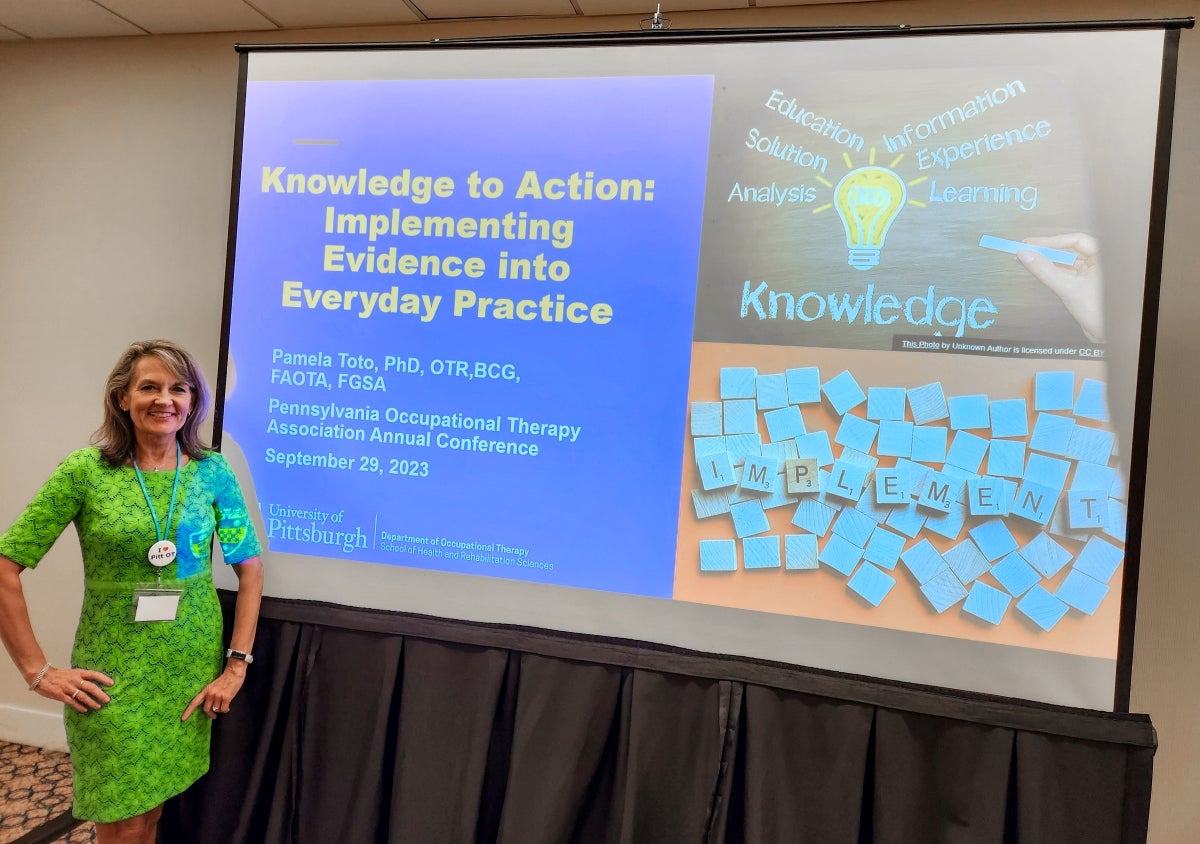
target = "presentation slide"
x: 821, y: 352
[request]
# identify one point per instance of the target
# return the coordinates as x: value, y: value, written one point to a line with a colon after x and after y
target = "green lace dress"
x: 135, y: 752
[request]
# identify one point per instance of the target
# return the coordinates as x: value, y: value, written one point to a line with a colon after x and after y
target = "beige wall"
x: 114, y: 191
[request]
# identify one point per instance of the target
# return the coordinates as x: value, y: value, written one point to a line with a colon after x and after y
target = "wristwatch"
x: 242, y: 655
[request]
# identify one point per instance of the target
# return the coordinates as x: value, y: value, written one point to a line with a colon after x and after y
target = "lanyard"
x: 159, y: 532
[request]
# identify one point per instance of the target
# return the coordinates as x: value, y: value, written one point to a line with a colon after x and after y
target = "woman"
x: 148, y: 652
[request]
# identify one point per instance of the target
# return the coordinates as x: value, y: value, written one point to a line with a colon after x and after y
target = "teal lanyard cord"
x: 159, y: 533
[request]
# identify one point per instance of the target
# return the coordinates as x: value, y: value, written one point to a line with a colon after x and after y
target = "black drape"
x: 363, y: 726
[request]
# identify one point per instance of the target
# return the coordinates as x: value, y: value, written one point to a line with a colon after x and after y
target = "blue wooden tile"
x: 741, y: 416
x: 1015, y: 575
x: 966, y: 561
x: 885, y: 403
x: 770, y: 391
x: 939, y: 491
x: 718, y: 555
x: 1034, y: 502
x: 761, y: 552
x: 988, y: 496
x: 884, y: 547
x: 709, y: 504
x: 1042, y: 608
x: 1117, y: 522
x: 762, y: 474
x: 987, y: 602
x: 907, y: 519
x: 1060, y: 524
x: 962, y: 477
x: 782, y: 450
x: 748, y: 519
x: 1094, y: 476
x: 716, y: 471
x: 815, y: 445
x: 1099, y: 559
x: 800, y: 475
x: 895, y: 439
x: 813, y: 516
x: 778, y: 497
x: 786, y: 423
x: 1047, y: 471
x: 1054, y: 391
x: 913, y: 473
x: 741, y: 446
x: 840, y: 554
x: 1006, y: 458
x: 856, y: 433
x: 803, y: 385
x: 843, y: 392
x: 738, y: 382
x: 1092, y: 445
x: 1093, y: 401
x: 846, y: 480
x: 994, y: 539
x: 1051, y: 433
x: 967, y: 451
x: 969, y: 412
x: 950, y: 523
x: 1087, y: 508
x: 871, y: 583
x: 859, y: 458
x: 943, y: 590
x: 800, y: 551
x: 891, y: 487
x: 867, y: 506
x: 702, y: 446
x: 1045, y: 555
x: 1081, y: 592
x: 929, y: 443
x: 923, y: 561
x: 1010, y: 418
x: 928, y: 403
x: 854, y: 526
x: 706, y: 419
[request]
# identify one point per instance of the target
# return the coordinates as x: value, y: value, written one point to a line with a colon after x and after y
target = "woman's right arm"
x: 16, y: 631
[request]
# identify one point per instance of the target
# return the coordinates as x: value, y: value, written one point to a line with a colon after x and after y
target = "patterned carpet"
x: 35, y: 788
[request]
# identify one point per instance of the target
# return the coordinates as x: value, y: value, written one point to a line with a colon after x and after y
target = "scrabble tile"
x: 800, y: 551
x: 761, y: 552
x: 707, y: 445
x: 770, y: 391
x: 883, y: 548
x: 709, y: 504
x: 762, y: 474
x: 854, y: 526
x: 1034, y: 502
x: 966, y: 561
x: 950, y: 523
x: 706, y: 419
x: 782, y: 450
x: 987, y: 603
x: 943, y: 590
x: 840, y: 554
x: 786, y: 423
x: 1081, y: 592
x: 846, y: 480
x: 890, y: 486
x: 1006, y: 458
x: 859, y: 458
x: 856, y: 433
x: 1045, y: 555
x: 1086, y: 508
x: 843, y: 392
x: 994, y: 539
x: 1093, y: 401
x: 748, y: 519
x: 800, y: 475
x: 988, y: 496
x: 1042, y: 608
x: 1094, y: 476
x: 885, y: 403
x: 1010, y: 418
x: 1047, y: 471
x: 928, y: 403
x: 1054, y: 391
x: 716, y: 472
x: 961, y: 477
x: 907, y: 519
x: 929, y: 443
x: 967, y: 451
x: 803, y: 385
x: 923, y: 561
x: 895, y: 439
x: 741, y: 417
x: 1093, y: 445
x: 1015, y: 575
x: 939, y: 491
x: 867, y: 506
x: 969, y: 412
x: 738, y: 382
x: 1060, y: 525
x: 777, y: 497
x: 914, y: 474
x: 1099, y: 559
x: 871, y: 583
x: 718, y: 555
x: 815, y: 445
x: 1051, y: 433
x: 1117, y: 522
x: 741, y: 446
x: 813, y: 516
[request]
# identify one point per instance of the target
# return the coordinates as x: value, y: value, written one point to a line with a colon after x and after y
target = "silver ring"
x: 77, y: 691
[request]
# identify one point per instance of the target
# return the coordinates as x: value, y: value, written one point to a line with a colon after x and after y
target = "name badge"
x: 156, y: 604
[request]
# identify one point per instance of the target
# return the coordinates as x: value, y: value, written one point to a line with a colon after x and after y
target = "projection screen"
x: 816, y: 350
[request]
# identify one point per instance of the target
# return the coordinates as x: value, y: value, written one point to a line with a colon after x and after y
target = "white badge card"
x: 156, y: 604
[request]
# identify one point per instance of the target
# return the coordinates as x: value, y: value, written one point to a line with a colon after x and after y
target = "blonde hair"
x: 115, y: 436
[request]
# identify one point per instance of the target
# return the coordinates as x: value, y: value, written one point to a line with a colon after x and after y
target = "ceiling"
x: 22, y: 20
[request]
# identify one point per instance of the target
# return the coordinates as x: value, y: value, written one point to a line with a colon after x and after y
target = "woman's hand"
x: 79, y: 688
x: 214, y: 699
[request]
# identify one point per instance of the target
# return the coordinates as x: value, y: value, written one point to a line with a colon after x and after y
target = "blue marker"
x: 1058, y: 256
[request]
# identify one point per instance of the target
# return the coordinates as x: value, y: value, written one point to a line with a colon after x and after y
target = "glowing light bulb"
x: 868, y: 200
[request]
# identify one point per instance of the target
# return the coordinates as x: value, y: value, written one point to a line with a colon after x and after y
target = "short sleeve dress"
x: 135, y: 752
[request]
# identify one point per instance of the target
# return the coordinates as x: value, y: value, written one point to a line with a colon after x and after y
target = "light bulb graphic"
x: 868, y: 200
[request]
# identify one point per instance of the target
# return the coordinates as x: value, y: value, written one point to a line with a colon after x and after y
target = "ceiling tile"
x: 448, y: 9
x: 208, y: 16
x: 62, y: 19
x: 297, y: 14
x: 647, y: 7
